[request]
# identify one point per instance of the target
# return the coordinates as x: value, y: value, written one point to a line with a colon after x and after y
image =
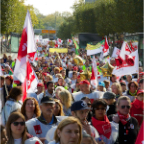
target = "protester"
x: 80, y: 110
x: 50, y: 89
x: 128, y: 126
x: 7, y: 86
x: 88, y: 101
x: 40, y: 126
x: 132, y: 90
x: 108, y: 131
x: 123, y: 86
x: 101, y: 86
x: 68, y: 131
x: 66, y: 100
x: 129, y: 79
x: 15, y: 129
x: 13, y: 103
x: 113, y: 79
x: 5, y: 58
x: 107, y: 84
x: 56, y: 71
x: 58, y: 109
x: 116, y: 88
x: 30, y: 108
x: 137, y: 107
x: 141, y: 84
x: 110, y: 99
x: 86, y: 91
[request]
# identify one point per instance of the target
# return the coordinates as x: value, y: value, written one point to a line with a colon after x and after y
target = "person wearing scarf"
x: 132, y: 90
x: 128, y: 126
x: 107, y: 130
x: 138, y: 107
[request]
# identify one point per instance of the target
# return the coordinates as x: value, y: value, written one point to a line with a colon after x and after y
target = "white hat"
x: 33, y: 140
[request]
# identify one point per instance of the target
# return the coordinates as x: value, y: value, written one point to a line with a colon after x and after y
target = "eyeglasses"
x: 17, y: 123
x: 124, y: 106
x: 100, y: 108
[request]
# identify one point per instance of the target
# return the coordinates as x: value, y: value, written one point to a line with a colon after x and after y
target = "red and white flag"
x: 106, y: 48
x: 69, y: 41
x: 116, y: 52
x: 140, y: 137
x: 125, y: 68
x: 59, y: 41
x: 1, y: 73
x: 27, y: 50
x: 125, y: 50
x: 94, y: 81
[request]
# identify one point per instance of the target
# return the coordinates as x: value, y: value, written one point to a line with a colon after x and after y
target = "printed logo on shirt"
x: 106, y: 128
x: 37, y: 142
x: 37, y: 129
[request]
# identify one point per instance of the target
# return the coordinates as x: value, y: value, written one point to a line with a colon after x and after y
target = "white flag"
x: 125, y: 68
x: 116, y: 52
x: 94, y: 81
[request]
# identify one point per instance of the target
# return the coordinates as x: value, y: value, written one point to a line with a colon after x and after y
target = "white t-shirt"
x: 18, y: 141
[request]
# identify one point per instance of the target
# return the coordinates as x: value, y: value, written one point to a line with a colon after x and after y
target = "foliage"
x: 105, y: 17
x: 13, y: 13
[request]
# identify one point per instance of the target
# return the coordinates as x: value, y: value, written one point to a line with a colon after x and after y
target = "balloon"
x: 107, y: 70
x: 78, y: 60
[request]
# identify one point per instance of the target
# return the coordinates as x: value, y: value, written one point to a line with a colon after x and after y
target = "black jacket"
x: 132, y: 128
x: 112, y: 109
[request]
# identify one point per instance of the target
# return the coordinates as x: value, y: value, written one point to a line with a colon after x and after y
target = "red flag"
x: 106, y: 48
x: 27, y: 51
x: 140, y: 137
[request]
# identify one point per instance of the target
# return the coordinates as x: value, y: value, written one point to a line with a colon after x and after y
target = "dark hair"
x: 1, y: 128
x: 48, y: 83
x: 136, y: 84
x: 2, y: 78
x: 141, y: 81
x: 97, y: 103
x: 122, y: 84
x: 15, y: 92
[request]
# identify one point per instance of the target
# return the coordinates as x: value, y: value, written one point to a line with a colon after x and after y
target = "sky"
x: 46, y: 7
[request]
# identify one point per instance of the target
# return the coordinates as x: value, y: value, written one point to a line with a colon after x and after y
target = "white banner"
x: 125, y: 69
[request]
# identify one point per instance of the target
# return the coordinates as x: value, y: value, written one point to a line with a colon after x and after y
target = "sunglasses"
x: 123, y: 106
x: 17, y: 123
x: 100, y: 108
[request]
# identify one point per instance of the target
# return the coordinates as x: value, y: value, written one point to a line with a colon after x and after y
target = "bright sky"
x: 46, y: 7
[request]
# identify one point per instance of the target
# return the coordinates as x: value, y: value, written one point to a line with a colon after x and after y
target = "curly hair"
x: 37, y: 111
x: 118, y: 86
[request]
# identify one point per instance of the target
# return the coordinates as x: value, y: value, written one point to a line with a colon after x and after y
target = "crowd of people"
x: 65, y: 109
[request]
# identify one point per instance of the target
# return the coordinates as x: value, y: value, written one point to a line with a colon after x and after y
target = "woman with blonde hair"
x: 58, y: 109
x: 66, y: 99
x: 116, y: 88
x: 57, y: 90
x: 15, y: 129
x: 30, y: 108
x: 69, y: 130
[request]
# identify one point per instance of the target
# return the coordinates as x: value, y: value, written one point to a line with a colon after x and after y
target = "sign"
x: 58, y: 50
x: 49, y: 31
x: 14, y: 44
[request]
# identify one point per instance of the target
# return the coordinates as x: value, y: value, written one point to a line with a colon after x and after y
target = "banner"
x: 116, y: 52
x: 58, y: 50
x: 126, y: 69
x: 94, y: 49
